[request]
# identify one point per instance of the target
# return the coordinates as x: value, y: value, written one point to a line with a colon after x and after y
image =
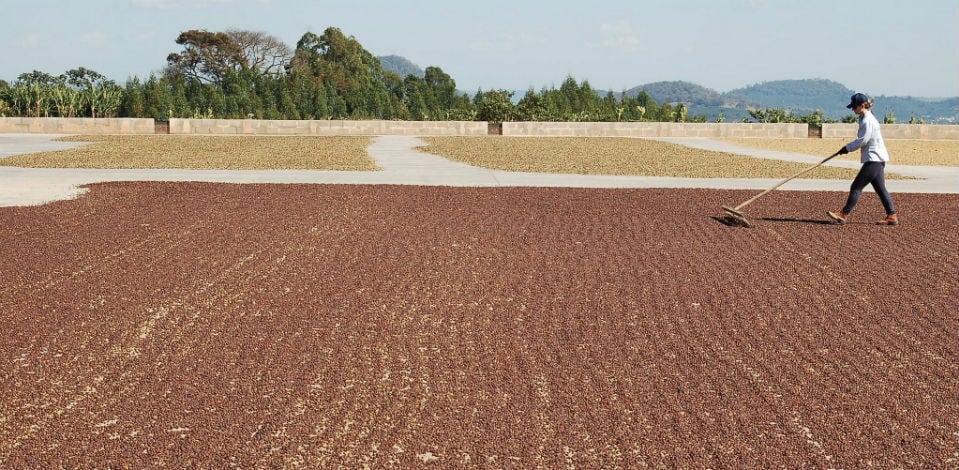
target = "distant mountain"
x: 802, y: 97
x: 944, y: 111
x: 798, y: 95
x: 679, y: 92
x: 401, y: 66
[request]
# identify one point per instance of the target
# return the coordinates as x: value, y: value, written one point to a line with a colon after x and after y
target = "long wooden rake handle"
x: 750, y: 200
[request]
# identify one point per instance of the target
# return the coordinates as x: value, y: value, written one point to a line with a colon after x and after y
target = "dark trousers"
x: 870, y: 173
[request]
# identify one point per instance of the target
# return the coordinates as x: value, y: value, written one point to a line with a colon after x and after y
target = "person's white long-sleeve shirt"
x: 869, y: 140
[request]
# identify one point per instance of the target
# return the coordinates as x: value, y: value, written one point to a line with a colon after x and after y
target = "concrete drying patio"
x: 402, y: 165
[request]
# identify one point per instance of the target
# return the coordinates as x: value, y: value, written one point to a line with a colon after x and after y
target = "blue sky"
x: 881, y: 47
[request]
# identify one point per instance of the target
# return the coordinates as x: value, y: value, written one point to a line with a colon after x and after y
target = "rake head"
x: 735, y: 218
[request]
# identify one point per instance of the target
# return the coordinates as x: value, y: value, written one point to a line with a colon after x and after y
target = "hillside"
x: 679, y: 92
x: 801, y: 96
x: 401, y: 66
x: 797, y: 94
x: 937, y: 111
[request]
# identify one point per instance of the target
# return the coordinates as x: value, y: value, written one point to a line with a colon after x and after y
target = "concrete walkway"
x: 401, y: 164
x: 932, y: 179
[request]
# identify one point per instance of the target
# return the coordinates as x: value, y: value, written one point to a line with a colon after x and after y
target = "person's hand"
x: 842, y: 150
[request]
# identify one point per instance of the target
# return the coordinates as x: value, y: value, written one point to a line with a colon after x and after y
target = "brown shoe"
x: 839, y: 217
x: 891, y: 219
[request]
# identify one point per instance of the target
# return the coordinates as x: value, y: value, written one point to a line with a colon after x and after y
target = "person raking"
x: 874, y: 156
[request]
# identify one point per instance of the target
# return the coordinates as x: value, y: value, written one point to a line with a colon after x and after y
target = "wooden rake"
x: 735, y: 216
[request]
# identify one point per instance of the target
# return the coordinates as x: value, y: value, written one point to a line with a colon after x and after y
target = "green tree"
x: 815, y: 119
x: 396, y: 89
x: 134, y: 104
x: 5, y: 91
x: 32, y: 94
x: 442, y: 87
x: 104, y: 99
x: 284, y: 99
x: 67, y: 101
x: 243, y: 92
x: 532, y: 107
x: 354, y: 78
x: 591, y: 106
x: 773, y: 115
x: 494, y: 106
x: 308, y: 94
x: 682, y: 113
x: 646, y: 107
x: 569, y: 98
x: 206, y: 56
x: 99, y: 97
x: 417, y: 98
x: 889, y: 118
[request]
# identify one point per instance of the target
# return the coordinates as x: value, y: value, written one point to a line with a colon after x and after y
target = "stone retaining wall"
x: 23, y: 125
x: 895, y: 131
x: 654, y: 129
x: 325, y: 127
x: 380, y: 127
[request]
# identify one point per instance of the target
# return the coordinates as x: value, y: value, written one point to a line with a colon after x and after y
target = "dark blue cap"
x: 857, y: 100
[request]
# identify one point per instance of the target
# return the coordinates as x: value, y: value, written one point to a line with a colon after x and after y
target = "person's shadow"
x: 800, y: 221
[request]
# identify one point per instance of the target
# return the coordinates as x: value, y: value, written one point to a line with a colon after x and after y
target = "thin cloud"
x: 619, y: 36
x: 94, y: 38
x: 505, y: 41
x: 155, y: 4
x: 31, y: 40
x: 147, y: 36
x: 174, y: 4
